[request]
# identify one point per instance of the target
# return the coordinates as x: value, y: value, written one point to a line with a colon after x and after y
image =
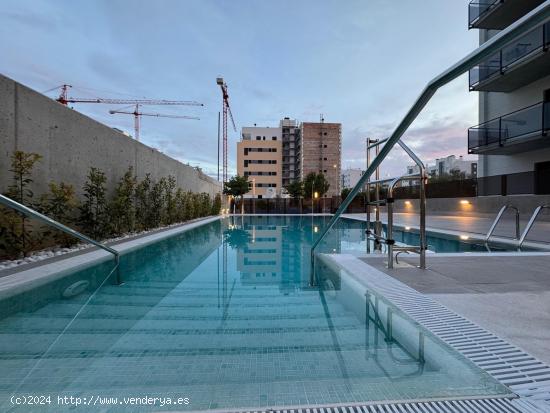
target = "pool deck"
x: 505, y: 294
x: 475, y: 226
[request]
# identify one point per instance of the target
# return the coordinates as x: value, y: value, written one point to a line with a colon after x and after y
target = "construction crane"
x: 64, y: 99
x: 226, y: 112
x: 137, y: 115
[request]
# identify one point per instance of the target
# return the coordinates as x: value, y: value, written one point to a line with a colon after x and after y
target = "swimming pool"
x: 224, y: 316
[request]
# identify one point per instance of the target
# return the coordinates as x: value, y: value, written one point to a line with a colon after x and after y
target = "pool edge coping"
x: 28, y: 278
x: 409, y: 298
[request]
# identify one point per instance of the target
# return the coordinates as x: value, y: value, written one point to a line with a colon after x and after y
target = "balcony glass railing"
x: 528, y: 121
x: 536, y: 40
x: 478, y: 8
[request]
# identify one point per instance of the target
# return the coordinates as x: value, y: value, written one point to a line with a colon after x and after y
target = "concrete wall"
x: 70, y: 143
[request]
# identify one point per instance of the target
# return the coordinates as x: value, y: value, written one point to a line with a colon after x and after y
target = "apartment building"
x: 511, y: 139
x: 350, y: 177
x: 290, y: 132
x: 259, y: 158
x: 321, y: 151
x: 449, y: 165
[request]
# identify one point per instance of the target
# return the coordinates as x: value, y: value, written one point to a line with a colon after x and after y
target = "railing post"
x: 389, y: 231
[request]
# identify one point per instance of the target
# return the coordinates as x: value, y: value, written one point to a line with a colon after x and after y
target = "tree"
x: 295, y: 189
x: 237, y: 187
x: 345, y: 192
x: 142, y: 198
x: 14, y: 226
x: 216, y: 205
x: 60, y: 204
x: 122, y: 208
x: 315, y: 183
x: 93, y: 212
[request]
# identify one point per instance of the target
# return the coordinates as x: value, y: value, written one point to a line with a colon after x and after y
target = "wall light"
x: 464, y: 202
x: 408, y: 203
x: 407, y: 228
x: 315, y: 229
x: 464, y: 237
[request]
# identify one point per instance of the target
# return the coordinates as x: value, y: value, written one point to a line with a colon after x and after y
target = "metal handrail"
x: 57, y: 225
x: 531, y: 223
x: 539, y: 15
x: 497, y: 220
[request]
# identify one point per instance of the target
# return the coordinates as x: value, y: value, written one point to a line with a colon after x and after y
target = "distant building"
x: 350, y: 177
x: 274, y: 157
x: 290, y: 131
x: 321, y: 152
x: 259, y: 158
x: 514, y: 103
x: 449, y: 166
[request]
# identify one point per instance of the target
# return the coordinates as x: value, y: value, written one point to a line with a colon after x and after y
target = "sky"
x: 358, y: 62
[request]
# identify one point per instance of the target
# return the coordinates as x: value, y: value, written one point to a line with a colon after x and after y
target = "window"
x: 324, y: 159
x: 258, y: 138
x: 273, y: 138
x: 324, y: 146
x: 246, y: 150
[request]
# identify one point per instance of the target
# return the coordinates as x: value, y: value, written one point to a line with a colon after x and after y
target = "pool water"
x: 223, y: 315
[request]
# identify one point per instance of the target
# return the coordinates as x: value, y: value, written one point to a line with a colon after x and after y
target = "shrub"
x: 157, y: 204
x: 122, y: 208
x: 142, y: 199
x: 93, y: 212
x: 15, y: 232
x: 60, y: 204
x: 170, y: 200
x: 216, y: 205
x: 180, y: 204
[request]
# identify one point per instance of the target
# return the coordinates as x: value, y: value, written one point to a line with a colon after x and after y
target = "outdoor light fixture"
x: 464, y: 202
x: 464, y: 237
x: 407, y: 228
x: 315, y: 229
x: 408, y: 203
x: 316, y: 195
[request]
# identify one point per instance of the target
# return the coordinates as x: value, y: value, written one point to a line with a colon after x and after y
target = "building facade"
x: 290, y: 131
x: 259, y: 159
x: 450, y: 166
x: 514, y: 103
x: 321, y: 151
x: 350, y: 177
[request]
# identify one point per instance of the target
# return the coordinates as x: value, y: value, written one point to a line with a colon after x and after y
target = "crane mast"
x: 226, y: 112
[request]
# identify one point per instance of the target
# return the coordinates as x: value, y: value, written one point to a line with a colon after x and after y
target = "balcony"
x: 520, y: 131
x: 522, y: 62
x: 498, y: 14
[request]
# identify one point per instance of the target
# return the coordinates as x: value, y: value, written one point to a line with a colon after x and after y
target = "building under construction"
x: 273, y: 157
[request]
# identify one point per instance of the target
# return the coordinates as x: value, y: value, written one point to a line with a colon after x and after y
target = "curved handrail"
x: 53, y: 223
x: 532, y: 19
x: 497, y: 220
x: 531, y: 222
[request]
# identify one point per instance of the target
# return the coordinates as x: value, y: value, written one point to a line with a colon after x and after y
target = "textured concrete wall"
x: 70, y: 143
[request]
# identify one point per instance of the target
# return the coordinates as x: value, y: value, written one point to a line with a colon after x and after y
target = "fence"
x: 510, y: 184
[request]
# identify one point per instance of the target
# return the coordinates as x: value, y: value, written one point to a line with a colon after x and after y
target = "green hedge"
x: 134, y: 206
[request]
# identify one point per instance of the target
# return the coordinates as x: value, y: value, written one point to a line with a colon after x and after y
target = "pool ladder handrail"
x: 531, y: 223
x: 534, y: 18
x: 498, y: 218
x: 10, y: 203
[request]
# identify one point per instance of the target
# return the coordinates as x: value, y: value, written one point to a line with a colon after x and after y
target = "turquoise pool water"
x: 223, y: 316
